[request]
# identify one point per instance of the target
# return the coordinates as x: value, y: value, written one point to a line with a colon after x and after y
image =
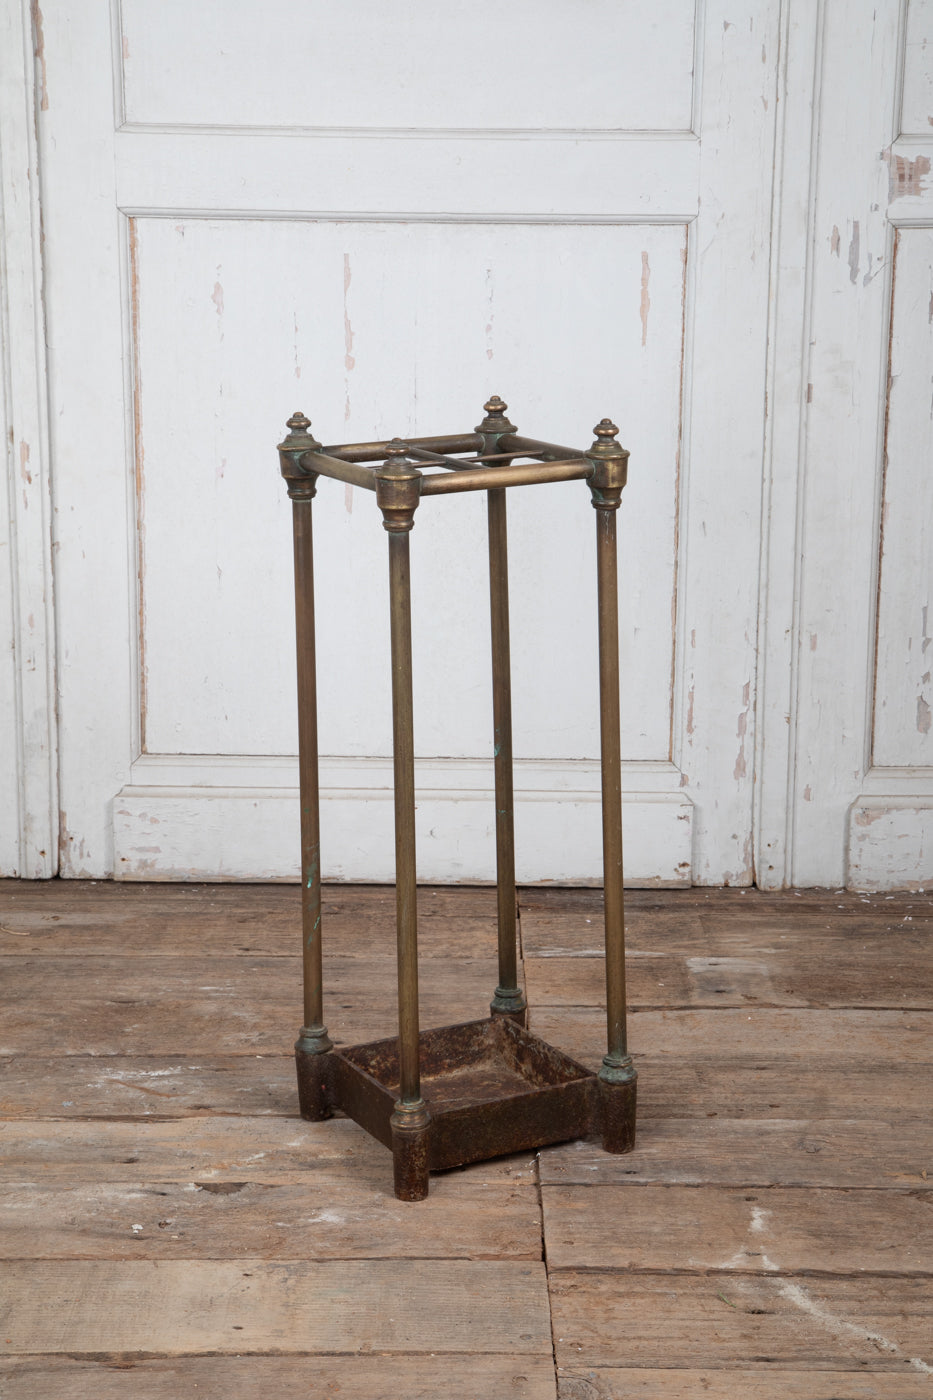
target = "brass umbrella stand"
x: 457, y: 1094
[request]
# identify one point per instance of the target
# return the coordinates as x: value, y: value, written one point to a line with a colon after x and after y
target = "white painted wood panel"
x: 481, y: 179
x: 9, y: 737
x: 724, y: 393
x: 917, y: 98
x: 161, y: 833
x: 409, y: 65
x: 838, y: 539
x: 784, y: 454
x: 861, y: 794
x: 891, y: 843
x: 591, y: 267
x: 383, y: 330
x: 91, y: 430
x: 904, y: 664
x: 28, y: 815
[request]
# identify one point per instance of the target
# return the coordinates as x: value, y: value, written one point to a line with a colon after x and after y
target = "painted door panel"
x: 381, y: 235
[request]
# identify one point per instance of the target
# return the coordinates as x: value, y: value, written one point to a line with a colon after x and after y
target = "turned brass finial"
x: 495, y: 420
x: 396, y: 450
x: 300, y: 439
x: 610, y: 466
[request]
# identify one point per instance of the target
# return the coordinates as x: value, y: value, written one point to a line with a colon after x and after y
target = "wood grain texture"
x: 340, y: 1217
x: 757, y: 977
x: 884, y: 1037
x: 775, y: 1383
x: 170, y: 1005
x: 726, y: 922
x: 699, y: 1321
x: 229, y: 921
x: 147, y: 1086
x: 209, y: 1149
x: 727, y: 1086
x: 756, y: 1152
x: 766, y: 1231
x: 737, y: 1086
x: 349, y: 1306
x: 299, y: 1377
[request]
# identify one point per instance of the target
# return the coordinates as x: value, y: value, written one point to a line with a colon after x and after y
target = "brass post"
x: 313, y: 1041
x: 617, y: 1073
x: 509, y: 999
x: 398, y: 493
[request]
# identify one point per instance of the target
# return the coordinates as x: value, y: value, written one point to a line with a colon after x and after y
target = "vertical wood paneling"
x: 90, y: 427
x: 838, y: 541
x: 724, y: 430
x: 903, y: 698
x: 785, y: 457
x: 28, y: 819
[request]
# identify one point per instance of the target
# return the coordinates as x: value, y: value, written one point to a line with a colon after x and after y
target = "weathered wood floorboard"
x: 190, y: 1006
x: 756, y: 1152
x: 338, y: 1217
x: 884, y: 1037
x: 761, y: 977
x: 228, y: 920
x: 778, y: 1230
x: 363, y: 1377
x: 171, y: 1227
x: 700, y: 1320
x: 773, y: 1383
x: 251, y: 1085
x: 250, y: 1305
x: 147, y: 1086
x: 275, y: 1150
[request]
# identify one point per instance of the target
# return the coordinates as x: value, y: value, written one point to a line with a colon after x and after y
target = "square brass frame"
x: 465, y: 1093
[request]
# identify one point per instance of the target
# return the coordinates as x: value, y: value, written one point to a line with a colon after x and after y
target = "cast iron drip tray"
x: 491, y: 1087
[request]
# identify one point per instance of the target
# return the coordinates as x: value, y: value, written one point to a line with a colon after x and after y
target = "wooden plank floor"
x: 169, y: 1226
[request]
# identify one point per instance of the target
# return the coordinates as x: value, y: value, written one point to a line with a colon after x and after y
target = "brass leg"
x: 313, y: 1042
x: 509, y: 999
x: 406, y: 899
x: 617, y: 1073
x: 397, y: 495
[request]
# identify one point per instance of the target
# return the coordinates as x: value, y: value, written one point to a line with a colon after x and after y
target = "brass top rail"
x: 488, y: 478
x: 376, y: 451
x: 345, y: 462
x: 338, y: 470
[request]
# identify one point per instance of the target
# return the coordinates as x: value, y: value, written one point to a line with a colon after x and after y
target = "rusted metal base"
x: 489, y: 1088
x: 411, y: 1151
x: 313, y: 1078
x: 516, y: 1012
x: 618, y: 1115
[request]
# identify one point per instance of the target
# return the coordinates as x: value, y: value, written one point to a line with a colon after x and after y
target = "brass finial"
x: 396, y: 450
x: 300, y: 439
x: 495, y: 420
x: 610, y: 466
